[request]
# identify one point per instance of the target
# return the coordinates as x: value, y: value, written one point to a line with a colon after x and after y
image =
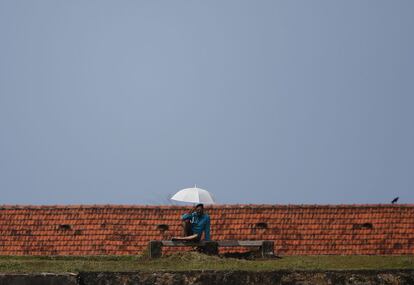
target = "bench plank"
x: 227, y: 243
x: 182, y: 243
x: 211, y: 247
x: 240, y: 243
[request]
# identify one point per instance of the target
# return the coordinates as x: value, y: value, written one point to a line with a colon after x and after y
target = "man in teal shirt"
x: 195, y: 222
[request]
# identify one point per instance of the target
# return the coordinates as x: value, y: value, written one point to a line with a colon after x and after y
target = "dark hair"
x: 200, y: 205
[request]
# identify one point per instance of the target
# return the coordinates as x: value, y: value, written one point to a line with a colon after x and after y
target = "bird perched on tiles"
x: 395, y: 200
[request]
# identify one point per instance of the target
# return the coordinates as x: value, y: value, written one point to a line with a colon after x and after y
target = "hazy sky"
x: 125, y: 102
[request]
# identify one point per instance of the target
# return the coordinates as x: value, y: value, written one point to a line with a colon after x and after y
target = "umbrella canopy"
x: 193, y: 195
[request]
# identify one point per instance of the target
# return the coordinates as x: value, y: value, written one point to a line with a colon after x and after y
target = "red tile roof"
x: 295, y: 229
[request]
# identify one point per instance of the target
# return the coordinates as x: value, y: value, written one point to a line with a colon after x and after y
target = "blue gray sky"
x: 126, y: 102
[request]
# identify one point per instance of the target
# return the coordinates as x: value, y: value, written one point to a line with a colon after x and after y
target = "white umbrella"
x: 193, y: 195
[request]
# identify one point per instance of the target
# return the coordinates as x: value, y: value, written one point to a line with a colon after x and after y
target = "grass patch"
x: 185, y: 261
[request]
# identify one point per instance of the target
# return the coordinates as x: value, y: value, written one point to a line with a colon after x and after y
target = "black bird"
x: 395, y: 200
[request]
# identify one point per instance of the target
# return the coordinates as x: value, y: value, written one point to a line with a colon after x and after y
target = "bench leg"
x: 210, y: 248
x: 267, y: 249
x: 155, y: 249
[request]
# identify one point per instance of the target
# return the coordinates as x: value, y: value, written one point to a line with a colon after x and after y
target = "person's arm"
x: 187, y: 215
x: 207, y: 229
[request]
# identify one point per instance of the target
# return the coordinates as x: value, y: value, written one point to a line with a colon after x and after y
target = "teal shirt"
x: 199, y: 224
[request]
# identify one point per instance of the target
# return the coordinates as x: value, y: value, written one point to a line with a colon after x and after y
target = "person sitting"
x: 195, y: 223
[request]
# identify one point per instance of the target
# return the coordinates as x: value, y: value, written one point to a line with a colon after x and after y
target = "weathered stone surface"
x: 39, y: 279
x: 360, y: 277
x: 398, y: 277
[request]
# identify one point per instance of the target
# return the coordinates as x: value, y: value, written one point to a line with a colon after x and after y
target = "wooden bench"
x: 211, y: 247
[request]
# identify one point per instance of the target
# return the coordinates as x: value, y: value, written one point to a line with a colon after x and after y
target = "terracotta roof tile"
x: 126, y: 229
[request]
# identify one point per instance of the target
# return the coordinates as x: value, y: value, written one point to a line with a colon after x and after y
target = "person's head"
x: 199, y: 209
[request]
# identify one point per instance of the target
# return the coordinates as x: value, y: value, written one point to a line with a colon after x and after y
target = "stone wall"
x: 39, y: 279
x: 360, y: 277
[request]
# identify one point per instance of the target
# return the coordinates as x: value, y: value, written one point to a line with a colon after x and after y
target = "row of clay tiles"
x: 371, y: 235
